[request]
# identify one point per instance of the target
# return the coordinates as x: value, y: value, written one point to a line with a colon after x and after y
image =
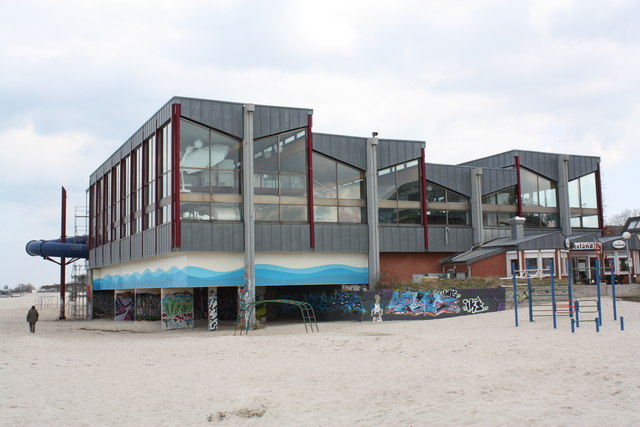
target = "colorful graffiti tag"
x: 177, y: 310
x: 327, y: 303
x: 428, y: 303
x: 147, y: 306
x: 124, y: 310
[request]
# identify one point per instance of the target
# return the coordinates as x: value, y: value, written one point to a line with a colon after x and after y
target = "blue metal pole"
x: 613, y: 290
x: 515, y: 292
x: 598, y: 289
x: 573, y: 326
x: 597, y: 324
x: 530, y: 298
x: 570, y: 284
x: 577, y: 314
x: 621, y: 323
x: 553, y: 295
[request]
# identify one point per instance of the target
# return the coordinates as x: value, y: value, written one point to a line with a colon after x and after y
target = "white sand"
x: 473, y: 370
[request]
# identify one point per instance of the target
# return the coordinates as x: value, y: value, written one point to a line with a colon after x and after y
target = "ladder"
x: 306, y: 310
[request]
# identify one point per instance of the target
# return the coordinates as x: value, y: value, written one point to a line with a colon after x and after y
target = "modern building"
x: 171, y: 219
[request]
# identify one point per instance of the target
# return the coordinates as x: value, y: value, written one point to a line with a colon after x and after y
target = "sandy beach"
x: 471, y: 370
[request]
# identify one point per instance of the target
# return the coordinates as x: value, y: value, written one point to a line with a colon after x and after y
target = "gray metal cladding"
x: 545, y: 164
x: 115, y: 253
x: 501, y: 160
x: 497, y: 179
x: 496, y: 233
x: 456, y: 178
x: 106, y: 254
x: 148, y: 243
x: 163, y: 239
x: 553, y: 240
x: 212, y: 237
x: 350, y: 150
x: 125, y: 249
x: 394, y: 151
x: 136, y: 246
x: 401, y: 238
x: 582, y: 165
x: 341, y: 238
x: 224, y: 116
x: 268, y: 120
x: 450, y: 239
x: 274, y: 237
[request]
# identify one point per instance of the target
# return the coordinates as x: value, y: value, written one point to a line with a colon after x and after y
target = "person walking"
x: 32, y: 318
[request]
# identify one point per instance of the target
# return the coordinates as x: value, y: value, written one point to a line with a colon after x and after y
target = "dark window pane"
x: 409, y: 216
x: 458, y: 218
x: 504, y: 217
x: 489, y: 219
x: 532, y: 219
x: 265, y: 154
x: 388, y: 215
x: 489, y: 199
x: 437, y: 217
x: 456, y: 198
x: 549, y: 220
x: 435, y: 193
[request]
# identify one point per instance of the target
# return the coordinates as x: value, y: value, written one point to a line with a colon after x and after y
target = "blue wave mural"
x: 266, y: 275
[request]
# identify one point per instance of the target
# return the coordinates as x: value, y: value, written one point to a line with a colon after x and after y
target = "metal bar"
x: 518, y: 186
x: 63, y: 238
x: 515, y: 292
x: 553, y: 295
x: 312, y: 222
x: 570, y: 285
x: 598, y: 289
x: 423, y: 197
x: 530, y: 295
x: 613, y: 290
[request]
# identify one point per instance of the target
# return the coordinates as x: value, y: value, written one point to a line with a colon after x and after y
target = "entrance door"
x: 227, y: 303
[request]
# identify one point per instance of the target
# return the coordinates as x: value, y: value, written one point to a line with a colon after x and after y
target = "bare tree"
x: 620, y: 219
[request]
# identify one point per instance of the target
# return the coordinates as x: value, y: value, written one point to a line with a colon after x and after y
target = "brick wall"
x: 400, y: 266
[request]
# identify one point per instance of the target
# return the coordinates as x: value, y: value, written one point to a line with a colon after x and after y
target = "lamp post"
x: 626, y: 236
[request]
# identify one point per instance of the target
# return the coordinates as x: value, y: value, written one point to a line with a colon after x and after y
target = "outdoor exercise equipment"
x: 308, y: 315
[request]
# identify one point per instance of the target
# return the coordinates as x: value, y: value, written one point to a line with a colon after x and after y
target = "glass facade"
x: 583, y: 202
x: 338, y: 190
x: 399, y: 194
x: 280, y: 165
x: 453, y: 208
x: 536, y: 190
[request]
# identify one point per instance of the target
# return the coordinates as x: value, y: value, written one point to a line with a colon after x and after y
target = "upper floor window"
x: 280, y: 164
x: 583, y: 193
x: 209, y: 160
x: 400, y: 182
x: 502, y: 197
x: 536, y: 190
x: 437, y: 194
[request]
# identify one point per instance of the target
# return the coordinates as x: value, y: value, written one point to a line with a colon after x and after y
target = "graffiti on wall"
x: 428, y: 303
x: 474, y: 305
x: 177, y: 310
x: 124, y: 309
x: 328, y: 304
x: 147, y: 306
x: 213, y: 309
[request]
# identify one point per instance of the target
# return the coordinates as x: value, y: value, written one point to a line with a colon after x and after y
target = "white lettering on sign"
x: 583, y: 246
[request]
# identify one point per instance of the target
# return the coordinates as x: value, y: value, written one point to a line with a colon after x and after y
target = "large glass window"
x: 503, y: 197
x: 281, y: 213
x: 333, y: 181
x: 582, y: 192
x: 280, y: 164
x: 536, y: 190
x: 209, y: 160
x: 399, y: 194
x: 453, y: 207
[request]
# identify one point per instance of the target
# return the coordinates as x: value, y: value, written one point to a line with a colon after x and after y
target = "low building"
x: 172, y: 225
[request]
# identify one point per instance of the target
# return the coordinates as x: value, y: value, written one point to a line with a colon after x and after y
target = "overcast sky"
x: 471, y: 78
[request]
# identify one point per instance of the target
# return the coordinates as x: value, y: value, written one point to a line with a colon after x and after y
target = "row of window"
x: 135, y: 194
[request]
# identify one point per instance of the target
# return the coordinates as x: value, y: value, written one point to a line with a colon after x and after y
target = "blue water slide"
x: 72, y: 247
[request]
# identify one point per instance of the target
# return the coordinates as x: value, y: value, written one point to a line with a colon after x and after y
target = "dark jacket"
x: 32, y: 315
